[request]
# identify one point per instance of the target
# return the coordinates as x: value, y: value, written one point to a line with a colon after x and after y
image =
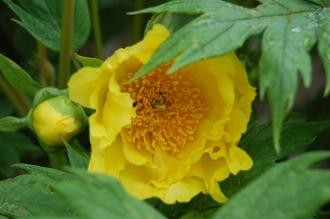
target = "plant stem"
x: 21, y: 103
x: 45, y: 67
x: 96, y: 28
x: 66, y: 43
x: 58, y: 159
x: 138, y: 21
x: 56, y: 155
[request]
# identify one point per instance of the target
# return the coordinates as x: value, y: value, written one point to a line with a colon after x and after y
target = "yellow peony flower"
x: 166, y: 136
x: 56, y: 118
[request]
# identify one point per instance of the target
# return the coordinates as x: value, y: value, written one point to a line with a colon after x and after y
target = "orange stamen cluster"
x: 168, y: 111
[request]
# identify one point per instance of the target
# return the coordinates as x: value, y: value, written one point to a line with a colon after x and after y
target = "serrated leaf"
x: 11, y: 124
x: 98, y: 196
x: 290, y: 190
x: 257, y: 142
x: 31, y: 194
x: 17, y: 77
x: 77, y: 155
x: 285, y: 47
x: 290, y: 32
x: 88, y: 61
x: 172, y: 22
x: 206, y: 33
x: 42, y: 19
x: 324, y: 44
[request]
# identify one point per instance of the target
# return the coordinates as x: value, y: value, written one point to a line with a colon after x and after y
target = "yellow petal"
x: 182, y: 191
x: 136, y: 180
x: 151, y: 41
x: 110, y: 160
x: 211, y: 172
x: 117, y: 111
x: 236, y: 125
x: 83, y: 84
x: 212, y: 77
x: 134, y: 156
x: 238, y: 160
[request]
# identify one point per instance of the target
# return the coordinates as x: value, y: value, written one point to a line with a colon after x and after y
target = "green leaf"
x: 19, y: 141
x: 42, y: 19
x: 31, y: 194
x: 286, y: 43
x: 208, y: 34
x: 11, y: 124
x: 98, y: 196
x: 13, y: 146
x: 5, y: 108
x: 291, y: 29
x: 172, y: 22
x: 77, y: 155
x: 88, y: 61
x: 199, y: 215
x: 324, y: 45
x: 290, y: 190
x: 51, y: 174
x: 17, y: 77
x: 257, y: 142
x: 51, y: 193
x: 320, y: 2
x: 202, y: 203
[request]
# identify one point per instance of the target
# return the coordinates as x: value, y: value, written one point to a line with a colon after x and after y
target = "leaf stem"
x: 58, y: 159
x: 96, y: 28
x: 138, y: 21
x: 56, y: 155
x: 21, y: 103
x: 45, y: 68
x: 66, y: 43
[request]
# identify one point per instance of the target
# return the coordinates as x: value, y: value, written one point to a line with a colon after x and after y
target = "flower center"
x: 168, y: 111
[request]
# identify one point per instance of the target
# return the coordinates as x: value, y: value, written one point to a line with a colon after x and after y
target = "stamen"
x: 168, y: 108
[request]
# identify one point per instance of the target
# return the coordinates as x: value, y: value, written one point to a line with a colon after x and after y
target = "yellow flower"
x: 167, y: 136
x: 56, y: 118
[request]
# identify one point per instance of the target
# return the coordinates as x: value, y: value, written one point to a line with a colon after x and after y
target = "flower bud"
x: 57, y: 118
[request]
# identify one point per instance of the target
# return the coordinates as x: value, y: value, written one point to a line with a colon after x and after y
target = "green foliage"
x: 11, y: 124
x: 323, y: 46
x: 290, y: 30
x: 17, y: 77
x: 172, y: 22
x: 5, y: 108
x: 42, y: 19
x: 88, y: 61
x: 257, y: 142
x: 293, y: 189
x: 277, y: 186
x: 31, y: 194
x: 77, y: 155
x: 12, y: 147
x: 54, y: 193
x: 98, y: 196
